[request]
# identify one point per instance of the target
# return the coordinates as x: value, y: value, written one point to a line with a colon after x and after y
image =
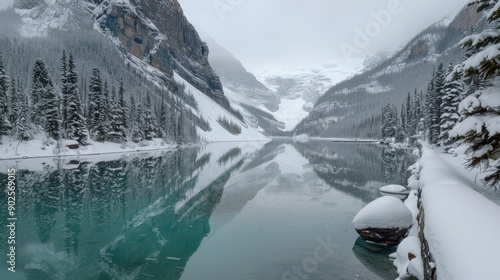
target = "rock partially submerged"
x: 386, y: 221
x: 389, y: 237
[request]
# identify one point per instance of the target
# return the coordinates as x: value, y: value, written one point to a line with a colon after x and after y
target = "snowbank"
x: 384, y: 213
x: 36, y: 148
x: 408, y: 260
x: 462, y: 226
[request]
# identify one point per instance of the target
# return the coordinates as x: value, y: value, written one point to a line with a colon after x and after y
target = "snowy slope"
x: 211, y: 111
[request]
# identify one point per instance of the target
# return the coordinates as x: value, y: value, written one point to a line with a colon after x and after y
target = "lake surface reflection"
x: 223, y: 211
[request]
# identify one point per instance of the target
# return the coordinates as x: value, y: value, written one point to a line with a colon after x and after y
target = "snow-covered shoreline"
x: 36, y: 148
x: 461, y: 224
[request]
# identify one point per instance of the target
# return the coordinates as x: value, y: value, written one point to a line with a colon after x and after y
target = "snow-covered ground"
x: 38, y: 147
x: 461, y: 224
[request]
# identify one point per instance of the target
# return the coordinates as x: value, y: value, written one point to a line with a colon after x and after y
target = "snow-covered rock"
x: 394, y: 189
x: 386, y: 220
x: 386, y: 212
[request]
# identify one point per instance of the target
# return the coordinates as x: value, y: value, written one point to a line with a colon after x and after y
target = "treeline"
x: 405, y: 124
x: 462, y: 104
x: 104, y: 113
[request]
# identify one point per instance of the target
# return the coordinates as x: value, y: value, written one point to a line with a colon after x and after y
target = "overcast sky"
x: 268, y: 33
x: 5, y: 3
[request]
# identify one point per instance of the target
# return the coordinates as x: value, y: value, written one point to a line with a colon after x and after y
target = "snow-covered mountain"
x: 255, y: 100
x: 300, y: 86
x: 352, y: 107
x: 277, y: 98
x: 159, y: 48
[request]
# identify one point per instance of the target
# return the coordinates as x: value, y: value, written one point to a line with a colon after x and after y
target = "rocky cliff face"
x: 156, y: 31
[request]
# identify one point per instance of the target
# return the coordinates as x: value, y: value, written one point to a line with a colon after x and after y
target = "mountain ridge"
x: 352, y: 107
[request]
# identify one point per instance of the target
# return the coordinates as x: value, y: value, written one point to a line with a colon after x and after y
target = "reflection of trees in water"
x: 130, y: 208
x: 355, y: 169
x: 232, y: 154
x: 395, y: 164
x: 349, y: 168
x: 74, y: 185
x: 46, y: 204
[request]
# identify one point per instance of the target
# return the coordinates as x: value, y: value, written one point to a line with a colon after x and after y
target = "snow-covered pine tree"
x: 101, y: 112
x: 172, y: 123
x: 403, y: 119
x: 400, y: 134
x: 418, y: 113
x: 149, y: 124
x: 23, y: 127
x: 14, y: 101
x: 45, y: 103
x: 410, y: 130
x: 453, y: 95
x: 117, y: 131
x: 428, y: 106
x: 385, y: 117
x: 136, y: 120
x: 52, y: 114
x: 480, y: 127
x: 4, y: 87
x: 65, y: 94
x: 433, y: 104
x: 123, y: 106
x: 106, y: 108
x: 40, y: 83
x: 95, y: 92
x: 75, y: 122
x: 180, y: 128
x: 390, y: 121
x: 162, y: 120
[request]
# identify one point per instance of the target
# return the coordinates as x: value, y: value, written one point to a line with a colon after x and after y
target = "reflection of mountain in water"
x: 144, y: 216
x: 356, y: 169
x: 137, y: 217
